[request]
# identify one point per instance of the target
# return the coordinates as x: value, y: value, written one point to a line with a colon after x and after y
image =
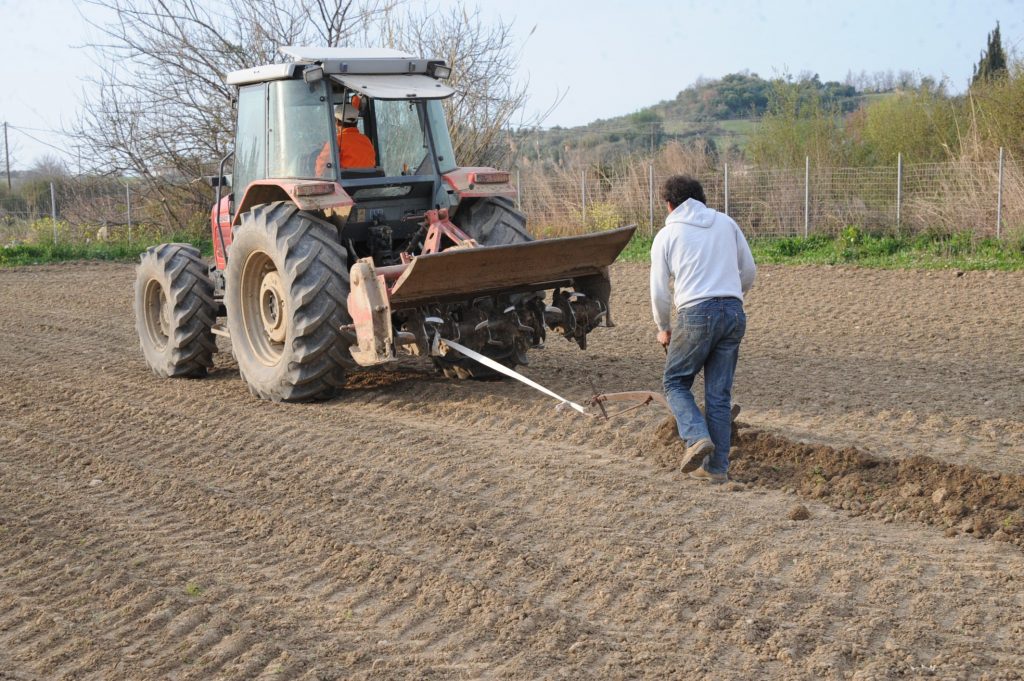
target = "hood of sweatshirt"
x: 692, y: 212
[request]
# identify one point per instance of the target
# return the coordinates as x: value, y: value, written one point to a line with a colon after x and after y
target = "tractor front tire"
x: 286, y: 294
x: 491, y: 221
x: 175, y: 311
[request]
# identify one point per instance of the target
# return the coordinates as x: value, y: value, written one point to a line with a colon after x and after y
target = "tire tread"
x: 315, y: 267
x: 191, y: 343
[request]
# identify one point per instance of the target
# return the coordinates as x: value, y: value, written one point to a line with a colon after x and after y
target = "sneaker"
x: 695, y: 453
x: 716, y: 478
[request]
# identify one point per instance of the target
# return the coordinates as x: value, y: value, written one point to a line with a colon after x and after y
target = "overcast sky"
x: 608, y: 57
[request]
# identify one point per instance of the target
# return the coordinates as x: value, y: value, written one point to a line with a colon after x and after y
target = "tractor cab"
x: 291, y: 142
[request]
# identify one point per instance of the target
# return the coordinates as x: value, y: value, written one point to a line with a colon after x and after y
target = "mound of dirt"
x: 668, y: 450
x: 962, y: 499
x: 959, y: 498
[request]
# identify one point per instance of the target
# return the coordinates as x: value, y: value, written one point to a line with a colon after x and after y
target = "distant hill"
x: 720, y: 113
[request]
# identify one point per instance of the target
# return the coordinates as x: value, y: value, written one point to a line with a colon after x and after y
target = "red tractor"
x: 322, y: 263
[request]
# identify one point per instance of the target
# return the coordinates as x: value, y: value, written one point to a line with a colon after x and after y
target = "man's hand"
x: 664, y: 338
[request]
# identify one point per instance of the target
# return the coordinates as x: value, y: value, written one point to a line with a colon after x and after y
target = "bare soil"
x: 417, y: 527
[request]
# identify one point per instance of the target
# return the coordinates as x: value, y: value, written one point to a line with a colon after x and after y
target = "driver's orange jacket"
x: 356, y: 151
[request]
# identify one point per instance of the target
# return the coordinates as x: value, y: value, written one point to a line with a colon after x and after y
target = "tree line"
x: 868, y: 119
x: 922, y: 122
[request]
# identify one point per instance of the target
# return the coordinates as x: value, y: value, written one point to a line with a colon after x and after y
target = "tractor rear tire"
x: 175, y: 311
x: 286, y: 294
x: 491, y: 221
x: 494, y: 221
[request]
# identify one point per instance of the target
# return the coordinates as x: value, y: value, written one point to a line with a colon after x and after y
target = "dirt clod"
x: 667, y: 433
x: 911, y: 489
x: 798, y: 512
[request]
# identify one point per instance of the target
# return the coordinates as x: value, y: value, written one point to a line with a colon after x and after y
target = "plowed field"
x: 417, y: 527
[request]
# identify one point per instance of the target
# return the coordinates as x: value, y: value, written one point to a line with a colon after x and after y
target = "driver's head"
x: 347, y: 115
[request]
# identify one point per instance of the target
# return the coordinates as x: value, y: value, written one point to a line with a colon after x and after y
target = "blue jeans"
x: 707, y: 336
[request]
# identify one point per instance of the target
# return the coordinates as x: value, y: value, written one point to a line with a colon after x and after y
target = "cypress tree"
x: 992, y: 64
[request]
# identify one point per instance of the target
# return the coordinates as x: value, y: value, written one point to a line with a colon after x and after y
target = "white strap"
x: 488, y: 362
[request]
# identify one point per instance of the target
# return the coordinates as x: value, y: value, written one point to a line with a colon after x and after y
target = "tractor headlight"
x: 438, y: 69
x: 313, y: 73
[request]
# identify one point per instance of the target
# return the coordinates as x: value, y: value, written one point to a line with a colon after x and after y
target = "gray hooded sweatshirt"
x: 705, y: 252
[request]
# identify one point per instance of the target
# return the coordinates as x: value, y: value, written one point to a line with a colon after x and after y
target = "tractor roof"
x: 378, y: 73
x: 315, y: 54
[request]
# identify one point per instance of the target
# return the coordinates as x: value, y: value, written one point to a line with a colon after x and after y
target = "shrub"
x: 851, y: 235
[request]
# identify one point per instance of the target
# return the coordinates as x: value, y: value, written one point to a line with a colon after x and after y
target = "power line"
x: 36, y: 139
x: 56, y: 132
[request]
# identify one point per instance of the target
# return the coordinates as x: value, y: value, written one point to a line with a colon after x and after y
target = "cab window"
x: 299, y: 125
x: 250, y: 137
x: 401, y: 140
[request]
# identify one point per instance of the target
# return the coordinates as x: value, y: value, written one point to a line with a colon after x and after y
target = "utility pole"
x: 7, y: 157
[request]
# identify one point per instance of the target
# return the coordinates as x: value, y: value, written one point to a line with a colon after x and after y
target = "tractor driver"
x: 355, y: 148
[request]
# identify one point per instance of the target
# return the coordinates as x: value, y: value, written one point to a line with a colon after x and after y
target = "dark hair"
x: 678, y: 188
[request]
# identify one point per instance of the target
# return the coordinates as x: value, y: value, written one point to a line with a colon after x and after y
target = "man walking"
x: 705, y: 253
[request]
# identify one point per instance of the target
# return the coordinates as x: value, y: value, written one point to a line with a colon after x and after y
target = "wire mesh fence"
x: 983, y: 197
x: 986, y: 198
x: 85, y: 209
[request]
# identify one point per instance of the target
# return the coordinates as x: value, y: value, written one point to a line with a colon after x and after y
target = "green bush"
x: 851, y: 235
x: 881, y: 246
x: 638, y: 249
x: 930, y: 250
x: 961, y: 243
x: 791, y: 247
x: 920, y: 124
x: 1017, y: 244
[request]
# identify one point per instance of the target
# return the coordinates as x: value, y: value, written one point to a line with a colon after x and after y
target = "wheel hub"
x: 157, y: 314
x: 263, y: 307
x: 165, y: 315
x: 272, y: 306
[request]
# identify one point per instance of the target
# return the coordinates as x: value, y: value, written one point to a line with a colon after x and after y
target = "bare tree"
x: 161, y: 110
x: 484, y: 58
x: 48, y: 166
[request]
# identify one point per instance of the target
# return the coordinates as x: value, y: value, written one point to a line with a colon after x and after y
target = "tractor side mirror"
x: 221, y: 181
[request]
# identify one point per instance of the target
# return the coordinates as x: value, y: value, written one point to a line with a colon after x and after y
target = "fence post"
x: 128, y: 205
x: 726, y: 173
x: 999, y: 198
x: 807, y: 196
x: 899, y: 189
x: 519, y: 190
x: 650, y: 194
x: 583, y: 195
x: 53, y: 213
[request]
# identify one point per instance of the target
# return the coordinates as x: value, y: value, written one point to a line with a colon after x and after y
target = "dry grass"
x: 945, y: 197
